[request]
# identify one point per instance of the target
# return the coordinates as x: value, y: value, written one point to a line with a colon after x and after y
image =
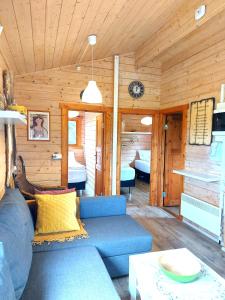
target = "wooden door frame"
x: 161, y: 146
x: 107, y: 137
x: 154, y: 153
x: 102, y: 158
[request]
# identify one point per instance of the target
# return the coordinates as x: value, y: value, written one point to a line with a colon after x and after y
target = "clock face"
x: 136, y: 89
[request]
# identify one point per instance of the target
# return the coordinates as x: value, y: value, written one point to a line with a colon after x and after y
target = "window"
x: 74, y: 132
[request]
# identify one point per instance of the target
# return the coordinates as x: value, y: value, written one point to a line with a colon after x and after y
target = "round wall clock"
x: 136, y: 89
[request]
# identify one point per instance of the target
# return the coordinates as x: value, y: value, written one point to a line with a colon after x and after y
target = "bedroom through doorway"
x: 135, y: 157
x: 85, y: 152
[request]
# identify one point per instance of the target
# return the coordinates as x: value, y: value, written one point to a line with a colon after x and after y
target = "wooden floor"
x: 139, y: 193
x: 169, y: 233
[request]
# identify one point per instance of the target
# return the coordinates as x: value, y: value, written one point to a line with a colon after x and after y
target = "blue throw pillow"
x: 16, y: 233
x: 6, y: 286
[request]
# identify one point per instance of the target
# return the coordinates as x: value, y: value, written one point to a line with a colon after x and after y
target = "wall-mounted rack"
x: 12, y: 117
x: 199, y: 176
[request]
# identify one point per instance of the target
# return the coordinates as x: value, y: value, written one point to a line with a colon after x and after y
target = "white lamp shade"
x: 146, y: 121
x: 92, y: 93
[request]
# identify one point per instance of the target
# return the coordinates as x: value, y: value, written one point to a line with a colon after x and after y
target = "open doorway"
x: 135, y: 157
x: 174, y: 158
x: 85, y: 152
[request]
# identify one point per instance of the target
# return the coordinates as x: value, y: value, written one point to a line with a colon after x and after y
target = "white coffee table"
x: 148, y: 280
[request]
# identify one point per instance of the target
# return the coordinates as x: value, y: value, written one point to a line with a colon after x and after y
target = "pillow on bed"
x: 145, y: 155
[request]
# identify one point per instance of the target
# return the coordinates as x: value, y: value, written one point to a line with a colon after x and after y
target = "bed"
x: 127, y: 178
x: 142, y: 165
x: 77, y: 174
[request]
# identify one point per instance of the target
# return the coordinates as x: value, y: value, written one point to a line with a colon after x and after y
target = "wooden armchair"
x: 27, y: 188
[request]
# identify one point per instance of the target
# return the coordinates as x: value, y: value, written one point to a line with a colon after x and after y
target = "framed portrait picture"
x: 38, y: 126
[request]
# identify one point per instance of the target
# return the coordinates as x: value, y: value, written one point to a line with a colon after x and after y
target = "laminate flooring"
x: 169, y: 233
x: 139, y: 193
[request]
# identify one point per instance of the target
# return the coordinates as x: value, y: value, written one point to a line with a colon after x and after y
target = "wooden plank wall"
x: 79, y: 151
x: 130, y: 144
x: 133, y: 123
x: 196, y: 78
x: 44, y: 90
x: 90, y: 150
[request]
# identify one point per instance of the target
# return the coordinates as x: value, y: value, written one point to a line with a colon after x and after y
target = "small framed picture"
x: 38, y: 127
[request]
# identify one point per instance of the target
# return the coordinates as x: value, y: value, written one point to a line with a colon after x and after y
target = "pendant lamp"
x: 146, y: 121
x: 92, y: 93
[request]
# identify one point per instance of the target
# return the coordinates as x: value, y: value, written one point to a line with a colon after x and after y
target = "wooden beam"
x: 138, y: 111
x: 84, y: 107
x: 181, y: 25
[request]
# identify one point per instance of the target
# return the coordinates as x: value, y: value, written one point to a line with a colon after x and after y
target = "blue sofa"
x: 80, y: 269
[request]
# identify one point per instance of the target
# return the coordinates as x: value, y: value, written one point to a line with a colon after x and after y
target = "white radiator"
x: 201, y: 213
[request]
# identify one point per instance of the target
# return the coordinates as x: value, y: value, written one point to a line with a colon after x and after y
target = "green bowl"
x: 180, y: 278
x: 180, y: 266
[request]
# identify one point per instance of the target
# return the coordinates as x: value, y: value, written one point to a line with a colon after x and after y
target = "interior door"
x: 174, y: 159
x: 99, y: 155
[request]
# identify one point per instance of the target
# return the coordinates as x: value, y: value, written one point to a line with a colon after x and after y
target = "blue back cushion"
x: 102, y: 206
x: 16, y: 234
x: 6, y: 286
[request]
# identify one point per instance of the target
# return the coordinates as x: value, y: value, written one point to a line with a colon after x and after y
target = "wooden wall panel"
x: 44, y: 90
x: 149, y: 76
x: 130, y: 144
x: 133, y: 123
x: 79, y: 151
x: 196, y: 78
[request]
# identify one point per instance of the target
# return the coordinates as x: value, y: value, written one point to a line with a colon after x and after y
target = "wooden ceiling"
x: 184, y: 37
x: 43, y: 34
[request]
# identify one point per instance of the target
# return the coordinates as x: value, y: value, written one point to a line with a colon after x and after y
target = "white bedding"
x: 142, y: 165
x: 77, y: 175
x: 76, y: 171
x: 127, y: 173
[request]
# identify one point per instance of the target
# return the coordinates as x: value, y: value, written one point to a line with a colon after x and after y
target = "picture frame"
x: 38, y: 125
x: 201, y: 121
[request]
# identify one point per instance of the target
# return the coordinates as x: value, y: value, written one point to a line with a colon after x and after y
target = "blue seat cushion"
x: 112, y: 236
x: 16, y: 233
x: 6, y: 286
x: 69, y: 274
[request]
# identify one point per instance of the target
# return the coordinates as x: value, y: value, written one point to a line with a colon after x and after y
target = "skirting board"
x: 209, y: 235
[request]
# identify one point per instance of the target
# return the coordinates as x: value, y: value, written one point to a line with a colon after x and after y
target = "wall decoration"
x: 201, y: 122
x: 38, y: 126
x: 136, y: 89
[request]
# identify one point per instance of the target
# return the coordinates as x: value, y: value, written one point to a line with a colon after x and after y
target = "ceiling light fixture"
x: 1, y: 29
x: 146, y: 121
x: 92, y: 93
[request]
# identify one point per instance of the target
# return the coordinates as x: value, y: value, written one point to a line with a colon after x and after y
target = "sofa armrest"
x: 102, y: 206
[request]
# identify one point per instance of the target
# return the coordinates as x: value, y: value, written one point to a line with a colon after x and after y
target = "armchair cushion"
x: 102, y: 206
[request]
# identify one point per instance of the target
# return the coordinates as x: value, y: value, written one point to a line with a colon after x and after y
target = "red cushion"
x: 55, y: 192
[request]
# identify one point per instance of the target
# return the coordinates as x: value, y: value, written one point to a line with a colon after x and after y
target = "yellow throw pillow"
x: 56, y: 213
